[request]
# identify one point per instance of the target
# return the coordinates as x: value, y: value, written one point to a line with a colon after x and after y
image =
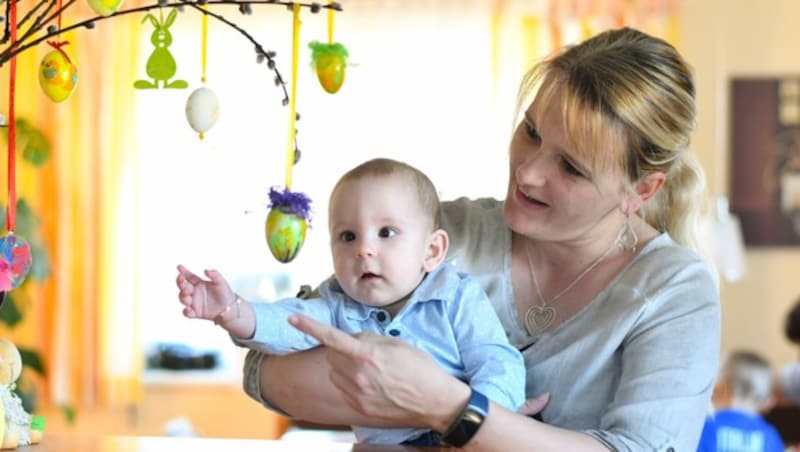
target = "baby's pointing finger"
x: 329, y: 336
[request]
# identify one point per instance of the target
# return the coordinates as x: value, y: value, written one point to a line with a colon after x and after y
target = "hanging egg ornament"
x: 287, y: 223
x: 105, y: 7
x: 15, y: 261
x: 330, y: 62
x: 57, y: 75
x: 202, y: 110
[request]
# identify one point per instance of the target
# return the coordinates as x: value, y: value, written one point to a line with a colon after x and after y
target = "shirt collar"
x: 438, y: 284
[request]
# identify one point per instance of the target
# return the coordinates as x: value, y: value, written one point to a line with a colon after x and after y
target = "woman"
x: 587, y: 262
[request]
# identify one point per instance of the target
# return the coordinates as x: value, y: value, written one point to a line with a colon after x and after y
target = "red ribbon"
x: 57, y: 45
x: 11, y: 211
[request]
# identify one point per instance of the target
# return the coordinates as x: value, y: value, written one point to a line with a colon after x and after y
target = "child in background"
x: 389, y: 279
x: 787, y: 379
x: 743, y: 389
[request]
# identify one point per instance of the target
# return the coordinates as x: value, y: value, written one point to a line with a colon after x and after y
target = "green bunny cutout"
x: 161, y: 65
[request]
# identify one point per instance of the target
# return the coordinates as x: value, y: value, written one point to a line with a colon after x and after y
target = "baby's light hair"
x: 425, y: 190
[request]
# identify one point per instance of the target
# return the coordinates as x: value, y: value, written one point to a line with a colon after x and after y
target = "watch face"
x: 469, y: 422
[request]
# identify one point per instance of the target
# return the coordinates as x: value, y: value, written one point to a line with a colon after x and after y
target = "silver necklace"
x: 539, y: 317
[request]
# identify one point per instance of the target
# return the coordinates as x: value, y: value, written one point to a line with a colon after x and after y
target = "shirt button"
x: 381, y: 316
x: 394, y: 332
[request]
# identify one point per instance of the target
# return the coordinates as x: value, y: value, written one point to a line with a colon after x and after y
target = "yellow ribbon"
x: 204, y: 44
x: 330, y: 24
x: 293, y: 95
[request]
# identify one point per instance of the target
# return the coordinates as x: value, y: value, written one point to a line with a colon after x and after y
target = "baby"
x: 390, y: 278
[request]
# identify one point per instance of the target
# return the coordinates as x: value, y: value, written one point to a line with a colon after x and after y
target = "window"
x: 420, y: 90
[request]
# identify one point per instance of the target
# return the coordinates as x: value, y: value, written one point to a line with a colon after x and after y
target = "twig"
x: 19, y: 47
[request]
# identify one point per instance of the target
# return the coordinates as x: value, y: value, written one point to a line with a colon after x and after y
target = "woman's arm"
x: 388, y: 382
x: 505, y: 430
x: 298, y: 384
x: 365, y: 385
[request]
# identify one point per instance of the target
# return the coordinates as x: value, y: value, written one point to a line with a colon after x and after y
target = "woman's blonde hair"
x: 629, y: 100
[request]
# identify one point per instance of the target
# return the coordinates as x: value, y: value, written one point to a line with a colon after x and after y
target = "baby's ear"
x: 436, y: 250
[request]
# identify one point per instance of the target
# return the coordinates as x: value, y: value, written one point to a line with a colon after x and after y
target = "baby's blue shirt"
x: 448, y: 315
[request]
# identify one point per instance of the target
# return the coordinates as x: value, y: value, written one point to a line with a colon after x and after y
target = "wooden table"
x: 80, y: 443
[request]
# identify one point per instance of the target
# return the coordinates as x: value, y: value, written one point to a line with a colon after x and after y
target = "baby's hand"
x: 203, y: 299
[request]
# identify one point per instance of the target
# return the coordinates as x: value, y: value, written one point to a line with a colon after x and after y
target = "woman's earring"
x: 627, y: 238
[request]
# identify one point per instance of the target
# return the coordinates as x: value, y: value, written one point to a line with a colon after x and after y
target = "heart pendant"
x: 538, y: 318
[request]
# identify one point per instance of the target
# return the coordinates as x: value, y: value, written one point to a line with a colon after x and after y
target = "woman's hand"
x: 203, y: 299
x: 386, y: 378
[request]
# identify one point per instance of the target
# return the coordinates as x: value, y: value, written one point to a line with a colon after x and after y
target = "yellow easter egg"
x: 202, y: 110
x: 286, y: 233
x: 57, y: 76
x: 105, y: 7
x: 10, y: 362
x: 330, y: 72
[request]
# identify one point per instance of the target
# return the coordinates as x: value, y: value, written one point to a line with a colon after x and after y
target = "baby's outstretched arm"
x: 213, y: 299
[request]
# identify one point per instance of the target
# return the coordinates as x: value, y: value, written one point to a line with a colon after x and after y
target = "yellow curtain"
x: 89, y: 344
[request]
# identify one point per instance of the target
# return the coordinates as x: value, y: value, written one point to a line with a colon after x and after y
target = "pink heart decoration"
x: 15, y: 261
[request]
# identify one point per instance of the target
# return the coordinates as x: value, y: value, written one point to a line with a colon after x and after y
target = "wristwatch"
x: 468, y: 422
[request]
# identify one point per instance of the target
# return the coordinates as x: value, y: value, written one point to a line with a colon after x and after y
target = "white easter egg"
x: 202, y: 110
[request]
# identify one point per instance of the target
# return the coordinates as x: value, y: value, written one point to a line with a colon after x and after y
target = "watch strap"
x: 468, y: 422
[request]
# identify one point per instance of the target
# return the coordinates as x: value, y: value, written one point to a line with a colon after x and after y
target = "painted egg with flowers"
x: 57, y: 75
x: 15, y: 261
x: 329, y: 62
x: 287, y: 223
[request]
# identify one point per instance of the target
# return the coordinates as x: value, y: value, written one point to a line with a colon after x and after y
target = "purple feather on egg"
x: 296, y: 203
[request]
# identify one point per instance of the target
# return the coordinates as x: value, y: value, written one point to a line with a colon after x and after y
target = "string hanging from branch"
x: 15, y: 253
x: 202, y: 107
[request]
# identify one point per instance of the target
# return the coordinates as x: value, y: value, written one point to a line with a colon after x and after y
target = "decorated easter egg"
x: 10, y: 362
x: 15, y: 261
x: 202, y: 110
x: 57, y: 75
x: 330, y: 72
x: 330, y: 62
x: 105, y: 7
x: 286, y: 233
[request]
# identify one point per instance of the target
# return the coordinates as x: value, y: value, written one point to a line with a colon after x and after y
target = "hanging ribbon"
x: 290, y: 147
x: 204, y: 43
x: 11, y: 211
x: 331, y: 12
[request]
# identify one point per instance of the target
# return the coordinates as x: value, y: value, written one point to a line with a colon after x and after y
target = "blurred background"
x: 129, y: 190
